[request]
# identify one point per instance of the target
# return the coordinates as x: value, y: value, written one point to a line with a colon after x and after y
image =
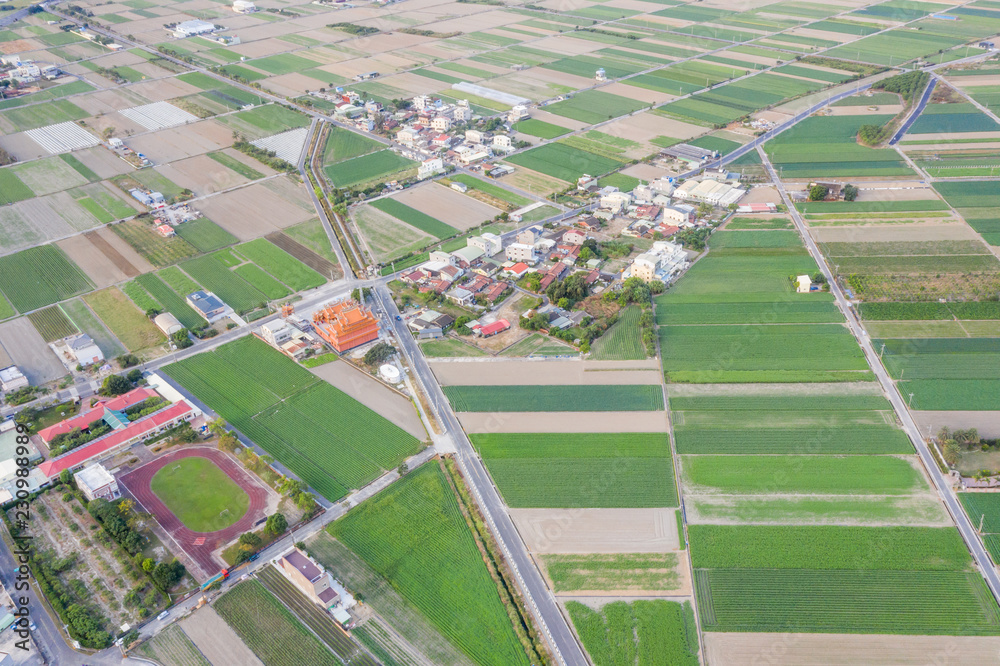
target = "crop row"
x: 555, y: 398
x: 413, y: 534
x: 839, y: 439
x: 40, y: 276
x: 280, y: 264
x: 794, y: 403
x: 929, y: 311
x: 269, y: 629
x: 861, y: 602
x: 169, y: 299
x: 228, y: 286
x: 640, y: 632
x: 774, y: 312
x: 615, y: 571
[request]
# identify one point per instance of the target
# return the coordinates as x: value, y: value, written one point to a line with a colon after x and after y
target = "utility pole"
x: 881, y: 351
x: 909, y: 403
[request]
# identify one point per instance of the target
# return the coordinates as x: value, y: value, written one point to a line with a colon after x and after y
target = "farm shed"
x: 167, y: 323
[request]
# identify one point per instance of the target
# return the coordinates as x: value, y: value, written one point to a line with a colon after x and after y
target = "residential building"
x: 529, y: 236
x: 679, y: 213
x: 346, y: 324
x: 473, y: 136
x: 803, y: 284
x: 502, y: 143
x: 460, y: 187
x: 521, y: 252
x: 310, y: 578
x: 430, y: 167
x: 165, y: 230
x: 645, y: 266
x: 467, y: 255
x: 517, y: 271
x: 518, y: 112
x: 96, y: 482
x: 441, y: 124
x: 461, y: 296
x: 78, y: 349
x: 461, y: 114
x: 12, y: 379
x: 489, y: 330
x: 574, y: 237
x: 421, y: 102
x: 663, y: 262
x: 431, y: 319
x: 407, y: 136
x: 167, y: 323
x: 615, y: 201
x: 208, y: 305
x: 488, y: 242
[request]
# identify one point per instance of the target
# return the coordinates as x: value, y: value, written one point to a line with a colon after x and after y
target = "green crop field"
x: 280, y: 264
x: 829, y: 437
x: 80, y: 167
x: 779, y: 238
x: 178, y: 280
x: 234, y: 164
x: 894, y: 47
x: 929, y: 311
x: 129, y: 324
x: 267, y: 119
x: 564, y: 162
x: 200, y: 494
x: 51, y: 323
x: 953, y: 394
x: 256, y: 277
x: 852, y: 475
x: 984, y: 510
x: 413, y: 534
x: 638, y: 632
x: 205, y: 235
x: 213, y: 274
x: 920, y: 205
x: 539, y: 128
x: 828, y: 547
x: 140, y: 296
x: 806, y: 311
x: 283, y: 63
x: 861, y: 602
x: 554, y: 398
x: 344, y: 144
x: 159, y: 251
x: 40, y: 276
x: 414, y: 218
x: 623, y: 341
x: 594, y: 106
x: 326, y: 437
x: 474, y: 183
x: 561, y: 470
x: 276, y: 636
x: 949, y: 118
x: 970, y: 194
x: 618, y: 571
x: 380, y: 165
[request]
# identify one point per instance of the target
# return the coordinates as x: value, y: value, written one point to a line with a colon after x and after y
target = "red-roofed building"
x: 518, y: 270
x: 134, y: 432
x: 668, y: 229
x: 499, y: 326
x: 496, y: 291
x: 414, y: 277
x: 96, y: 413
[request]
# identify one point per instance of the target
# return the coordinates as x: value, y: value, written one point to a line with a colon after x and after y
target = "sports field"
x: 200, y: 494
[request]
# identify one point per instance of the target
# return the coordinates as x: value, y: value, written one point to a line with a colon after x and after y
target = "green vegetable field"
x: 628, y: 398
x: 40, y: 276
x: 612, y: 571
x: 640, y: 632
x: 413, y: 533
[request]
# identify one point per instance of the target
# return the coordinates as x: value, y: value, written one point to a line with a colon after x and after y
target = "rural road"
x: 915, y: 113
x: 892, y: 393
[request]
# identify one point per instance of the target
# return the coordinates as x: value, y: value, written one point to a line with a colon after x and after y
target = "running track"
x: 198, y: 545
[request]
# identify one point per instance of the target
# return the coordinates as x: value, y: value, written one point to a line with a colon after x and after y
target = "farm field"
x: 380, y: 165
x: 414, y: 218
x: 594, y: 106
x: 175, y: 304
x: 564, y: 162
x: 280, y: 264
x: 413, y: 534
x: 551, y: 398
x: 276, y: 636
x: 128, y: 324
x: 946, y: 373
x: 495, y: 191
x: 342, y: 144
x: 157, y: 250
x: 205, y: 235
x: 51, y: 323
x: 623, y: 341
x: 172, y: 647
x: 85, y: 320
x: 294, y: 416
x: 214, y: 275
x: 984, y: 509
x: 40, y: 276
x: 644, y: 632
x: 612, y: 571
x: 557, y: 471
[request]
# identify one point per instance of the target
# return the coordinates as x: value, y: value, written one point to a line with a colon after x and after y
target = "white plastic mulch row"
x: 158, y: 115
x: 62, y: 137
x: 287, y: 145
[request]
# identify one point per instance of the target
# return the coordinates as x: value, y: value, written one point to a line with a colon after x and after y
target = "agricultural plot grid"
x: 62, y: 137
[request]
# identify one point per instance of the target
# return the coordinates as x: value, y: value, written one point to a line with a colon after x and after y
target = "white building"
x: 286, y: 338
x: 615, y: 201
x: 518, y: 112
x: 421, y: 102
x: 679, y: 214
x: 521, y: 252
x: 460, y: 187
x: 664, y: 261
x: 488, y: 242
x: 192, y: 28
x: 441, y: 123
x: 167, y: 323
x: 473, y: 136
x: 12, y: 379
x: 461, y: 114
x: 430, y: 167
x: 502, y: 143
x: 803, y: 284
x: 25, y: 72
x: 76, y: 350
x: 96, y: 482
x: 244, y: 6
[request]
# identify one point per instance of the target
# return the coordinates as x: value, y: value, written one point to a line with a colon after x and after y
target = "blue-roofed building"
x: 208, y: 305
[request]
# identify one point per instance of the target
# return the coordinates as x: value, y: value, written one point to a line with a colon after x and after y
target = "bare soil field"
x: 102, y: 162
x: 597, y: 530
x: 29, y: 352
x: 930, y: 231
x: 252, y: 211
x: 386, y: 237
x: 644, y: 126
x: 476, y: 422
x: 109, y: 101
x: 515, y: 372
x: 761, y: 194
x: 644, y: 171
x: 911, y: 191
x: 113, y: 243
x: 865, y: 110
x: 848, y: 649
x: 202, y: 175
x: 534, y: 182
x: 101, y: 271
x: 293, y: 85
x: 176, y: 143
x: 447, y: 205
x: 216, y: 640
x: 373, y: 394
x: 987, y: 423
x: 20, y: 145
x: 163, y: 89
x: 641, y: 94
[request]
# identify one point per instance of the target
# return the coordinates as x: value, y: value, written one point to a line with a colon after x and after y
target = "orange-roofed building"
x: 345, y: 325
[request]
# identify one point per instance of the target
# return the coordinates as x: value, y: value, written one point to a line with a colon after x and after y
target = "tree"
x: 181, y: 339
x: 276, y: 524
x: 125, y: 506
x: 115, y: 385
x: 850, y: 192
x: 65, y: 476
x: 952, y: 452
x: 128, y: 360
x: 379, y: 354
x: 249, y: 540
x: 460, y: 325
x: 403, y: 469
x: 134, y: 375
x: 818, y: 192
x: 148, y: 564
x: 166, y: 575
x: 305, y: 501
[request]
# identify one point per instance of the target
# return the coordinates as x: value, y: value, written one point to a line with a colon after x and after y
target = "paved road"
x: 539, y: 601
x: 915, y: 113
x: 894, y: 396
